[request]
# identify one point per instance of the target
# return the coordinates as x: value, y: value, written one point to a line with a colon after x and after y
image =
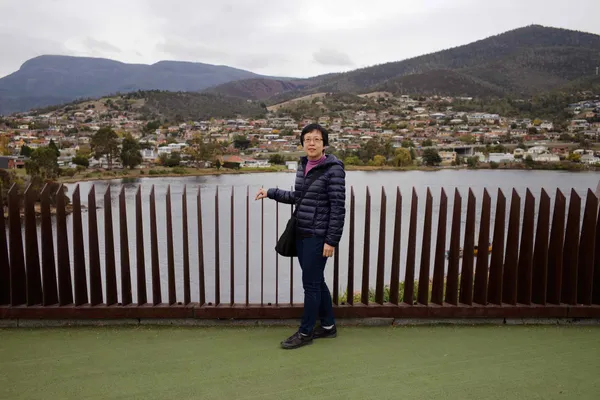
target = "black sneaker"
x: 321, y: 332
x: 296, y: 340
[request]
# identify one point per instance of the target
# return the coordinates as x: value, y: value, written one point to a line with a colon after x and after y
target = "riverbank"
x: 161, y: 173
x: 181, y: 172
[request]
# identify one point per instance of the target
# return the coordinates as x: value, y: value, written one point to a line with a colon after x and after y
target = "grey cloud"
x: 99, y: 46
x: 281, y: 38
x: 332, y: 57
x: 16, y: 49
x: 189, y: 51
x: 182, y: 50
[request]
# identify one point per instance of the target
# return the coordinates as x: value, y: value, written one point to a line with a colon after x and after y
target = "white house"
x: 254, y: 163
x: 501, y: 157
x: 590, y: 159
x: 149, y: 154
x: 536, y: 150
x: 546, y: 158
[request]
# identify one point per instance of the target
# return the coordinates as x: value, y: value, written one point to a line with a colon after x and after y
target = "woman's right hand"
x: 262, y: 193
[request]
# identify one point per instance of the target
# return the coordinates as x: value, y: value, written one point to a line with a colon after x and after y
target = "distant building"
x: 590, y: 159
x: 447, y: 157
x: 501, y: 157
x: 546, y: 158
x: 12, y: 162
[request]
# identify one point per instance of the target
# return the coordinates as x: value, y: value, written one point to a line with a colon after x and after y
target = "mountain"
x: 521, y: 62
x: 262, y: 88
x: 47, y: 80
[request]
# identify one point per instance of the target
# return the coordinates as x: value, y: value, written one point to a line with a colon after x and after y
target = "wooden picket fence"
x: 548, y: 270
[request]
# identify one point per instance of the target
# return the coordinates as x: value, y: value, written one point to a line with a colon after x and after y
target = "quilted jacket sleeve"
x: 336, y: 191
x: 282, y: 196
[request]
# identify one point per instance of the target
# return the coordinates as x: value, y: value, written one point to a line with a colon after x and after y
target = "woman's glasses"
x: 313, y: 140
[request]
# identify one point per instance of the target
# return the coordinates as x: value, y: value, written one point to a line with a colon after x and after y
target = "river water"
x: 421, y: 181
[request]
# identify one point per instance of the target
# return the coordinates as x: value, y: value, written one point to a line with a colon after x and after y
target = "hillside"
x: 441, y: 82
x: 48, y: 80
x: 262, y: 88
x: 187, y: 106
x: 163, y: 106
x: 508, y: 60
x: 522, y: 62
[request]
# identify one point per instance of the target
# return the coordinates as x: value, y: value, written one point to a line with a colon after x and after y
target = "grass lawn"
x: 439, y: 362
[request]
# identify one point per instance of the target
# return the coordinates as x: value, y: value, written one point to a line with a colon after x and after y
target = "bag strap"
x: 314, y: 177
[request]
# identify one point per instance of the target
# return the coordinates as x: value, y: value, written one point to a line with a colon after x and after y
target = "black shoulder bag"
x: 286, y: 245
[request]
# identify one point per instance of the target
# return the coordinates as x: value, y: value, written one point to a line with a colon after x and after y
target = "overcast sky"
x: 297, y: 38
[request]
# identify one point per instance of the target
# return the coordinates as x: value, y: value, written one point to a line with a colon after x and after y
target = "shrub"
x: 386, y: 293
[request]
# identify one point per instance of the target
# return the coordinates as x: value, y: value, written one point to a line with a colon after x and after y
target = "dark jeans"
x: 317, y: 298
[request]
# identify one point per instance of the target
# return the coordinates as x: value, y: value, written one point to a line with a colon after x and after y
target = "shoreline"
x: 134, y: 174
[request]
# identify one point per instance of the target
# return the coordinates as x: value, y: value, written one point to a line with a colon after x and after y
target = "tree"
x: 174, y: 160
x: 565, y: 137
x: 467, y: 139
x: 105, y: 144
x: 163, y: 158
x: 352, y: 160
x: 370, y: 149
x: 7, y: 178
x: 378, y: 161
x: 276, y: 159
x: 407, y: 144
x: 4, y: 145
x: 529, y: 161
x: 130, y: 152
x: 431, y: 157
x: 402, y: 158
x: 53, y: 146
x: 26, y: 151
x: 241, y: 142
x: 200, y: 151
x: 427, y: 143
x: 218, y: 164
x: 472, y: 162
x: 170, y: 160
x: 42, y: 166
x: 81, y: 160
x: 413, y: 155
x: 151, y: 127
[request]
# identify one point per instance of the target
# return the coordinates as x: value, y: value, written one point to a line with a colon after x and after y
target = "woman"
x: 320, y: 223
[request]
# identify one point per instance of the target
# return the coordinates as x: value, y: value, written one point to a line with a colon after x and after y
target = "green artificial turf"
x: 439, y: 362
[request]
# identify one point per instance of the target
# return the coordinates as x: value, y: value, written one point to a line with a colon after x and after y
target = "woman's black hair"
x: 314, y: 127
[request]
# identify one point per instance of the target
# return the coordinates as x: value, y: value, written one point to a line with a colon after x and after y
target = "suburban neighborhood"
x: 429, y: 130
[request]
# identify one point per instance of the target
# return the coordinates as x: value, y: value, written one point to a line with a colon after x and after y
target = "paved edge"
x: 51, y: 323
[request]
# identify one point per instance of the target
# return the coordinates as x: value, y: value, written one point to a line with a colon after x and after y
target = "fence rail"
x: 548, y: 270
